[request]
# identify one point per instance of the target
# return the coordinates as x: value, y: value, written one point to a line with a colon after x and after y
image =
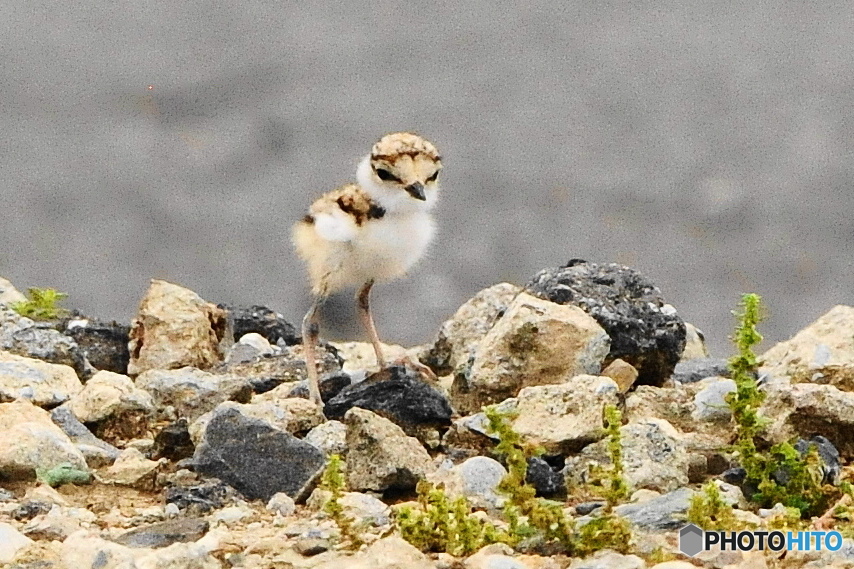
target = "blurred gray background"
x: 707, y: 144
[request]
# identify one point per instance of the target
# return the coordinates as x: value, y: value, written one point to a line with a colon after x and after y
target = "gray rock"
x: 644, y: 331
x: 173, y: 442
x: 692, y: 371
x: 104, y: 452
x: 24, y: 337
x: 397, y: 393
x: 665, y: 512
x: 192, y: 392
x: 201, y: 498
x: 166, y: 533
x: 255, y: 458
x: 607, y: 559
x: 710, y: 402
x: 268, y: 372
x: 282, y: 504
x: 110, y: 395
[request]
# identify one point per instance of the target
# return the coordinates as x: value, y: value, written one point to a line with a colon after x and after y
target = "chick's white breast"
x: 390, y: 246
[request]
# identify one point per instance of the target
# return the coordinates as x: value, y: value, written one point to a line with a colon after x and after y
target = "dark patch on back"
x: 309, y: 219
x: 376, y: 211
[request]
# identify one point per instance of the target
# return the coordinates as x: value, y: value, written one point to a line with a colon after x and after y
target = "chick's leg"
x: 310, y: 334
x: 364, y: 303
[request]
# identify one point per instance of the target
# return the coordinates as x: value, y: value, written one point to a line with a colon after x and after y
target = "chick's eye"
x: 386, y: 176
x: 433, y: 177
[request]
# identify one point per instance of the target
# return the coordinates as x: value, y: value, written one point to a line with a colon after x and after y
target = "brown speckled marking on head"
x: 355, y: 202
x: 392, y: 146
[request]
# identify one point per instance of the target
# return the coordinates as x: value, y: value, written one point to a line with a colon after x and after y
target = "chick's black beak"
x: 416, y: 190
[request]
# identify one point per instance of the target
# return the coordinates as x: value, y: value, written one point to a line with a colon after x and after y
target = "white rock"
x: 710, y: 402
x: 132, y: 469
x: 11, y: 541
x: 108, y: 394
x: 37, y: 381
x: 386, y: 553
x: 330, y: 437
x: 173, y: 328
x: 282, y: 504
x: 30, y: 440
x: 607, y: 559
x: 564, y: 418
x: 476, y: 479
x: 9, y: 294
x: 536, y: 342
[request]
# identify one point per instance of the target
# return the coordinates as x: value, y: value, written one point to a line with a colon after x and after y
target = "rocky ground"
x: 187, y: 440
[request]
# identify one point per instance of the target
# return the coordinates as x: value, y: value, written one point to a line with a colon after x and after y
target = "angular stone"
x: 564, y: 418
x: 97, y: 452
x: 535, y: 342
x: 380, y: 455
x: 109, y: 394
x: 30, y: 440
x: 622, y: 372
x: 330, y: 437
x: 476, y: 479
x: 24, y: 337
x: 665, y: 512
x: 255, y: 458
x: 267, y: 373
x: 131, y: 468
x: 654, y: 457
x: 360, y: 356
x: 544, y: 478
x: 105, y: 344
x: 672, y: 405
x: 695, y: 344
x: 386, y: 553
x: 37, y: 381
x: 396, y: 393
x: 804, y: 409
x: 823, y: 352
x: 190, y: 391
x: 460, y: 336
x: 175, y: 328
x: 292, y: 416
x: 201, y: 498
x: 264, y: 321
x: 181, y: 530
x: 9, y: 294
x: 692, y: 371
x: 710, y: 402
x: 644, y: 330
x: 607, y: 559
x: 11, y: 542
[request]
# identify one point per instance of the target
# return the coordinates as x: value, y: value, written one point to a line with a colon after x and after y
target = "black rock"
x: 182, y: 530
x: 30, y: 509
x: 330, y: 386
x: 173, y: 442
x: 255, y: 458
x: 735, y: 476
x: 396, y: 393
x: 692, y: 371
x: 828, y: 454
x: 264, y: 321
x: 544, y: 478
x: 202, y: 498
x: 628, y: 306
x: 105, y: 344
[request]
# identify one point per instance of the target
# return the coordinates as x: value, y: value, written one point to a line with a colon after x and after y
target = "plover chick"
x: 373, y: 231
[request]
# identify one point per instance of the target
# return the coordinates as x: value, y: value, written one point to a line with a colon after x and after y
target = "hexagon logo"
x: 690, y: 540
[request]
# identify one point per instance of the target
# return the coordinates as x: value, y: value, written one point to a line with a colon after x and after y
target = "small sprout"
x: 332, y: 480
x: 42, y: 304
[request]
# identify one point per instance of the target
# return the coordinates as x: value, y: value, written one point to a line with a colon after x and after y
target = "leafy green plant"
x: 333, y: 481
x: 780, y: 475
x: 710, y: 512
x: 440, y: 523
x: 41, y: 305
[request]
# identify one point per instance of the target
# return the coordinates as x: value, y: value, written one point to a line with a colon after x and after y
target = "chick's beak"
x: 416, y: 190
